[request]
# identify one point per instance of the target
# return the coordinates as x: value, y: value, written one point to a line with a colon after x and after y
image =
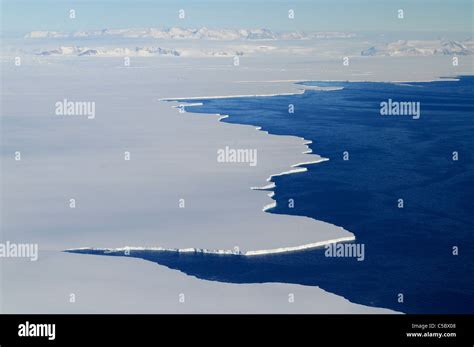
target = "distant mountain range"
x: 114, y: 52
x: 421, y: 48
x: 397, y: 48
x: 192, y: 34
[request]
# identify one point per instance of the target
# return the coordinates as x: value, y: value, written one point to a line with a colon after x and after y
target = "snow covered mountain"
x: 421, y: 48
x: 111, y: 52
x: 192, y: 34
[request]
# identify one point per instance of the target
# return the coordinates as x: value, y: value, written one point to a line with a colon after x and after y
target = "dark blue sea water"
x: 407, y: 250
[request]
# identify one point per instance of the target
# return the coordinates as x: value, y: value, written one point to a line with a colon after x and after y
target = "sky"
x: 310, y: 15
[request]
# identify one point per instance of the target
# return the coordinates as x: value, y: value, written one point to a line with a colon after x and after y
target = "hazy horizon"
x: 350, y: 16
